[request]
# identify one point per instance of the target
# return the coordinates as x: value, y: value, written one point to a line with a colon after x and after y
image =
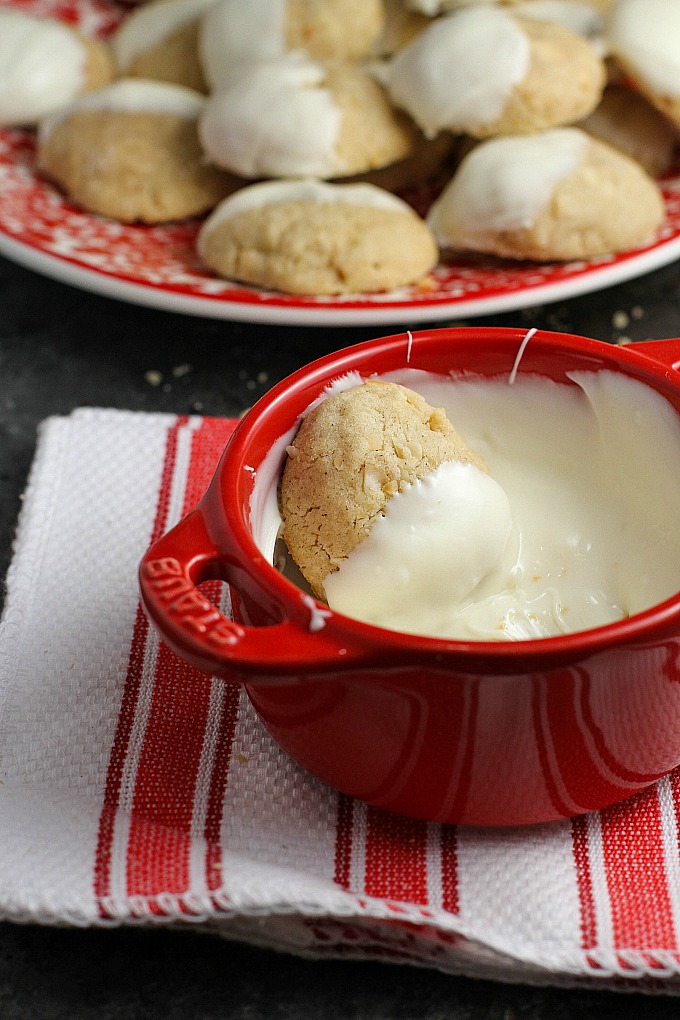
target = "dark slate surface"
x: 62, y: 348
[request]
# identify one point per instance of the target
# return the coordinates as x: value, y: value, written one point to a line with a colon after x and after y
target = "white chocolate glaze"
x: 436, y: 542
x: 233, y: 32
x: 255, y: 196
x: 591, y: 471
x: 133, y: 95
x: 148, y: 25
x: 582, y: 18
x: 274, y: 119
x: 646, y: 34
x: 504, y: 184
x: 460, y: 71
x: 42, y: 65
x: 434, y: 7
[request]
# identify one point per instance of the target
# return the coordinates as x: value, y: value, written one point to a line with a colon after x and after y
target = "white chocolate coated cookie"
x: 45, y: 65
x: 644, y: 37
x: 352, y: 453
x: 311, y: 237
x: 295, y: 117
x: 131, y: 152
x: 482, y: 72
x: 557, y: 195
x: 159, y: 41
x: 233, y: 32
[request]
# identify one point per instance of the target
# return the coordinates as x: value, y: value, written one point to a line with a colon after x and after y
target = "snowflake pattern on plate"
x: 158, y: 266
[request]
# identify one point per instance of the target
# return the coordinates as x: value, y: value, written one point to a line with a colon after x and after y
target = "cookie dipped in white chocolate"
x: 644, y: 37
x: 482, y: 71
x: 294, y: 117
x: 160, y: 41
x: 232, y: 32
x: 45, y: 65
x: 460, y: 71
x: 435, y: 542
x: 131, y: 152
x: 312, y: 237
x: 555, y: 195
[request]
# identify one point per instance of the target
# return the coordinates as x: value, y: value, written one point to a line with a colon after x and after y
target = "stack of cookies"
x: 296, y: 127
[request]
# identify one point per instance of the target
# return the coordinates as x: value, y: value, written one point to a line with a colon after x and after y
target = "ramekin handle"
x: 169, y: 575
x: 665, y: 351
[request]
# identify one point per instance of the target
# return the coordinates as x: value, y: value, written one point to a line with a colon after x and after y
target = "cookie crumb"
x: 181, y: 370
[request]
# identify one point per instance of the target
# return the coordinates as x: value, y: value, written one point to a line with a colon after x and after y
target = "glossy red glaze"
x: 473, y: 733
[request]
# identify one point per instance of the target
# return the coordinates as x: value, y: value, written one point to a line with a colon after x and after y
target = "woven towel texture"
x: 136, y: 790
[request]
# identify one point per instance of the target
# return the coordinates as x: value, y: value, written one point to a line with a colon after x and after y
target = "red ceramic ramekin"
x: 478, y: 733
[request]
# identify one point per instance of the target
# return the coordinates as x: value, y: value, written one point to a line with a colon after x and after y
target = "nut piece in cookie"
x: 311, y: 237
x: 644, y: 38
x: 131, y: 152
x: 159, y: 41
x: 352, y: 453
x: 45, y: 65
x: 483, y: 72
x: 556, y: 195
x: 294, y: 117
x: 233, y: 32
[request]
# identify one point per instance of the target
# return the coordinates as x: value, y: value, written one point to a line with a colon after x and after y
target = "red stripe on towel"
x: 159, y: 847
x: 448, y: 837
x: 102, y: 866
x: 635, y: 867
x: 584, y: 882
x: 396, y: 858
x: 343, y: 841
x: 159, y: 839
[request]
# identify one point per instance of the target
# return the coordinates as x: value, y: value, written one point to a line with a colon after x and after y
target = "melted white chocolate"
x: 450, y: 530
x: 591, y: 472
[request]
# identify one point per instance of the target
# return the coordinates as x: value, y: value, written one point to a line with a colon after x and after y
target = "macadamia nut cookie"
x: 45, y: 65
x: 310, y: 237
x: 294, y: 117
x: 644, y: 38
x: 483, y: 72
x: 131, y: 152
x: 559, y: 194
x: 159, y: 41
x: 233, y: 32
x: 352, y: 453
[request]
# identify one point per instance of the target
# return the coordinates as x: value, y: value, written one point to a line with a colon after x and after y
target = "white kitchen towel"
x: 135, y: 790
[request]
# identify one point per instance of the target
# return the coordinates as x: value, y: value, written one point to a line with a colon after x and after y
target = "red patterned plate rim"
x: 158, y: 266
